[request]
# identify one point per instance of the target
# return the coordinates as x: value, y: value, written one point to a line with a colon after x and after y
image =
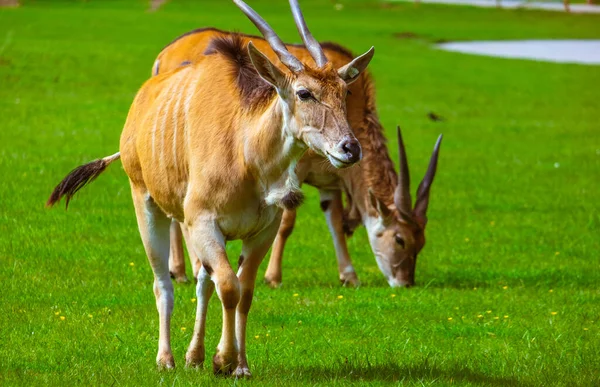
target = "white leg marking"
x: 154, y: 230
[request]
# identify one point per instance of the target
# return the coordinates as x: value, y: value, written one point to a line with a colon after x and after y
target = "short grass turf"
x: 508, y: 282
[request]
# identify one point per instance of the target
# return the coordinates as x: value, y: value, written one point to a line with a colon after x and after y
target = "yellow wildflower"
x: 131, y: 264
x: 340, y: 297
x: 554, y: 313
x: 62, y: 318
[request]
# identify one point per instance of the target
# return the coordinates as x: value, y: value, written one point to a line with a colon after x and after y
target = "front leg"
x: 332, y: 206
x: 207, y: 241
x: 253, y: 252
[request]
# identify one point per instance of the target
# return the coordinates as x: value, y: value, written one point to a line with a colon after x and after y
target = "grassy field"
x: 508, y: 284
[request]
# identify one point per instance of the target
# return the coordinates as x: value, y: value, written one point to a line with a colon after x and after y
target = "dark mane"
x: 254, y: 90
x: 378, y: 168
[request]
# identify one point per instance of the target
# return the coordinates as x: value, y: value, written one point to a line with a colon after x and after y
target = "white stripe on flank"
x: 154, y: 134
x: 188, y: 101
x: 165, y: 116
x: 180, y: 90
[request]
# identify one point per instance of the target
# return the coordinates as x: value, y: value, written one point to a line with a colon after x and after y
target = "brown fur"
x: 76, y: 180
x: 325, y: 205
x: 254, y: 90
x: 292, y: 200
x: 378, y: 168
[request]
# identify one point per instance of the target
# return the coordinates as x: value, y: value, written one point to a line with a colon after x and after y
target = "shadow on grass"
x: 397, y: 373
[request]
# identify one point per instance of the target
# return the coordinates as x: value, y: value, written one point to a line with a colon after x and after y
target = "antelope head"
x: 398, y: 233
x: 313, y: 97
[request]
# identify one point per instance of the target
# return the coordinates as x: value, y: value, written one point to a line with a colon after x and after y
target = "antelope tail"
x: 78, y: 178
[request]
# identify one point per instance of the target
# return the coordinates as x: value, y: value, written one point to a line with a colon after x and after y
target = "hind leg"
x: 154, y: 230
x: 332, y: 205
x: 177, y: 257
x: 273, y: 273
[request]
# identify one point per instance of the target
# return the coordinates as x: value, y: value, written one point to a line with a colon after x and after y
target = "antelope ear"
x: 379, y: 206
x: 352, y: 70
x: 265, y: 68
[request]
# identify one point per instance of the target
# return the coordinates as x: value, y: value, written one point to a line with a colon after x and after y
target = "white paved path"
x: 561, y: 51
x: 544, y: 5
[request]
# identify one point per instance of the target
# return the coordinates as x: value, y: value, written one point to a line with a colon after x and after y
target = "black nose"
x: 351, y: 149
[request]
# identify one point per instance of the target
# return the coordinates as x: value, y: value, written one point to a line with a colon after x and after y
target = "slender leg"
x: 154, y: 230
x: 253, y: 252
x: 204, y: 290
x: 273, y: 273
x: 207, y: 241
x: 331, y: 204
x: 176, y: 256
x: 194, y: 260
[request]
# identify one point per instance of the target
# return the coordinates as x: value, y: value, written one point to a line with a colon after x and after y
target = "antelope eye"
x: 304, y: 95
x: 399, y: 240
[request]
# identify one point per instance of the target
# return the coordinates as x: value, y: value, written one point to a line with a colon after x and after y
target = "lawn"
x: 507, y: 286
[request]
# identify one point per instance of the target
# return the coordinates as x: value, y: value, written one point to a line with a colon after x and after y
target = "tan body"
x: 181, y: 155
x: 214, y: 146
x: 375, y: 174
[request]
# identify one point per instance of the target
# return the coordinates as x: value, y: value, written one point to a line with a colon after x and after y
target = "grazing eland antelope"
x: 214, y: 145
x: 395, y: 229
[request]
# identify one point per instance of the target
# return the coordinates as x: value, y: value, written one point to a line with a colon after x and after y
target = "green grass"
x: 514, y: 216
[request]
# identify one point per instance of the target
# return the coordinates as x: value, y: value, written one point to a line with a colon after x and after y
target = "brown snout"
x: 404, y: 275
x: 349, y: 147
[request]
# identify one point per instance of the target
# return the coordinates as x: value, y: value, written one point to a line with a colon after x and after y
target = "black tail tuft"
x: 76, y: 180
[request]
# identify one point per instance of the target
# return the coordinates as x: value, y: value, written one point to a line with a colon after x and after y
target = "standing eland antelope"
x: 396, y: 231
x: 214, y: 145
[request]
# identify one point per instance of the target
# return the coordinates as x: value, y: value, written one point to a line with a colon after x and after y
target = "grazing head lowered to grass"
x: 398, y: 233
x: 370, y: 186
x: 214, y: 146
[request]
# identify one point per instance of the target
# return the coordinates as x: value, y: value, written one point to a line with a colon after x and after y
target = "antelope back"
x: 192, y: 46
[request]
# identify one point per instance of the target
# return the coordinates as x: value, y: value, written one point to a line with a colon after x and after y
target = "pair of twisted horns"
x: 290, y: 61
x: 402, y: 199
